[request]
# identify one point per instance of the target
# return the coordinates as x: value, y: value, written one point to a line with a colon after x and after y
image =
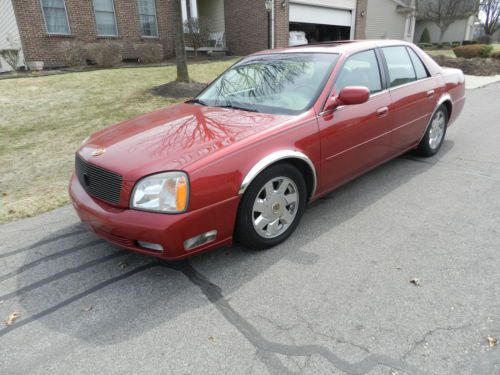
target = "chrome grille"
x: 98, y: 182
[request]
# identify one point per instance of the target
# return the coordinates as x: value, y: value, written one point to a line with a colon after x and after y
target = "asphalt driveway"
x: 336, y: 298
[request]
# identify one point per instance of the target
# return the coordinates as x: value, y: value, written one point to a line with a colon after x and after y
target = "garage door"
x: 319, y: 15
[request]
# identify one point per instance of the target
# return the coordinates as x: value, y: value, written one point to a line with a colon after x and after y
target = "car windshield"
x: 276, y: 83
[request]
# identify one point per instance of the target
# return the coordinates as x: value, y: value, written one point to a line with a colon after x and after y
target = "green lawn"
x: 44, y: 119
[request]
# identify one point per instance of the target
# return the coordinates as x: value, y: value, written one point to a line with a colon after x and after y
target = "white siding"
x: 213, y: 12
x: 383, y: 21
x: 9, y: 33
x: 455, y: 33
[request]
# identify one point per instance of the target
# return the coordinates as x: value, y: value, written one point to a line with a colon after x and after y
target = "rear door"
x: 355, y: 138
x: 413, y: 95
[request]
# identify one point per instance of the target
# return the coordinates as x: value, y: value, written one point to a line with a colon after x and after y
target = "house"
x: 457, y: 32
x: 399, y: 19
x: 239, y: 26
x: 391, y: 19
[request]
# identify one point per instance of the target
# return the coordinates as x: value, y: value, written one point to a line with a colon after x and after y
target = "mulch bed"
x: 178, y: 90
x: 475, y: 66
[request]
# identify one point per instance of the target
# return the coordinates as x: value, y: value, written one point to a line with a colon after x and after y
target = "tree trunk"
x: 180, y: 45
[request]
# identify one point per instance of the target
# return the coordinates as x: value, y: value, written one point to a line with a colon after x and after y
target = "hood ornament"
x: 98, y: 151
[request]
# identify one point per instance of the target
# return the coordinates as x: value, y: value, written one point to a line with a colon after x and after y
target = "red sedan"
x: 277, y: 130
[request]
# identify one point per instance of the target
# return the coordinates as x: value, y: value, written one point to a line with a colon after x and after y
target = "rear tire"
x: 435, y: 133
x: 271, y: 207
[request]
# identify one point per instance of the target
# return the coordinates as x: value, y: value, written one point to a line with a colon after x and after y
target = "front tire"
x: 272, y: 207
x: 434, y: 136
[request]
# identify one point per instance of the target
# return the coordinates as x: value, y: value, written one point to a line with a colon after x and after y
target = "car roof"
x: 340, y: 47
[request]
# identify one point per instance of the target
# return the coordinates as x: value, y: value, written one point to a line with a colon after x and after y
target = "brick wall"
x: 40, y: 46
x: 360, y: 31
x: 246, y: 26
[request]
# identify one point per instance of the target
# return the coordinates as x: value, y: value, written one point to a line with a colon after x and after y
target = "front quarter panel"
x: 221, y: 178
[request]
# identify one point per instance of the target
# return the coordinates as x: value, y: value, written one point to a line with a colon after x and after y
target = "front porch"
x: 211, y: 12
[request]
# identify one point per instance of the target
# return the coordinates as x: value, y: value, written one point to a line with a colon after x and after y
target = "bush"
x: 471, y: 51
x: 495, y: 55
x: 485, y: 51
x: 196, y: 33
x: 469, y: 42
x: 455, y: 44
x: 426, y: 36
x: 11, y: 57
x: 484, y: 39
x: 106, y: 54
x: 149, y: 53
x: 73, y: 53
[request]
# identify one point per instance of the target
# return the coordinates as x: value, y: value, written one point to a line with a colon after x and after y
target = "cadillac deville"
x: 277, y: 130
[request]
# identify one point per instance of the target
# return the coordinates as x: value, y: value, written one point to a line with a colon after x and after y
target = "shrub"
x: 485, y: 51
x: 426, y: 36
x: 73, y: 53
x: 484, y: 39
x: 106, y: 54
x: 149, y: 53
x: 455, y: 44
x: 11, y: 57
x: 196, y: 33
x: 471, y: 51
x: 469, y: 42
x: 495, y: 55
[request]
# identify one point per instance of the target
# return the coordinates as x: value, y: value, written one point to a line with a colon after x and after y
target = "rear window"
x: 417, y: 63
x: 400, y: 66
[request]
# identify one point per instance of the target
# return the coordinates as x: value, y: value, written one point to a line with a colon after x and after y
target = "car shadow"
x: 86, y: 288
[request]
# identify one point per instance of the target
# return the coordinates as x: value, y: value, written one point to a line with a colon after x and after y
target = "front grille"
x: 99, y: 182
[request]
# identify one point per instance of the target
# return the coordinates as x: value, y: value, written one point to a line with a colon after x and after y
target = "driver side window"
x: 360, y: 69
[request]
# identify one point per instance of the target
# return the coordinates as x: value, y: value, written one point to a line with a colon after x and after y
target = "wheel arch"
x: 443, y: 100
x: 298, y: 159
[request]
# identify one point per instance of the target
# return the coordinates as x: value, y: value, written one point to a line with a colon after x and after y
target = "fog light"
x: 150, y: 246
x: 200, y: 240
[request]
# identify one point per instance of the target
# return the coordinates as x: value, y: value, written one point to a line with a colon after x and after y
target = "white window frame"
x: 45, y: 20
x: 157, y: 36
x: 116, y: 22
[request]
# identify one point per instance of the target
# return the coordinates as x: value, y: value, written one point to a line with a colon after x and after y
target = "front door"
x: 356, y: 138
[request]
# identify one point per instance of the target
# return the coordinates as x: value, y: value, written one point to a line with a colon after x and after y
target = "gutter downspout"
x: 272, y: 23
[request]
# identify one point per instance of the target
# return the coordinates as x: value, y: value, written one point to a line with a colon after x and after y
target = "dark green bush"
x: 426, y: 36
x: 469, y: 42
x: 495, y: 55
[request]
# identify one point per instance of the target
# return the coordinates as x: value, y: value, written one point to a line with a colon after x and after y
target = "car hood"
x: 173, y: 138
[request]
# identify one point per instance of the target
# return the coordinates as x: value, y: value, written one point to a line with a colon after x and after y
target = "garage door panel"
x: 319, y: 15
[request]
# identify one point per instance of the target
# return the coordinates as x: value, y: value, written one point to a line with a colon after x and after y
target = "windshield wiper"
x: 232, y: 106
x: 197, y: 101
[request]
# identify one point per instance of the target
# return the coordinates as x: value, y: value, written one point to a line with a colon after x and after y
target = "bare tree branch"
x: 445, y: 12
x: 491, y: 11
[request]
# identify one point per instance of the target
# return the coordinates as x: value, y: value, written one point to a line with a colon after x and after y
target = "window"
x: 400, y: 66
x: 418, y: 65
x: 55, y: 16
x: 360, y: 69
x: 147, y: 15
x: 105, y: 17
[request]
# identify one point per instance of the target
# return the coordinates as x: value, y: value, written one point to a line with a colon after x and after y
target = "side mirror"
x: 349, y: 95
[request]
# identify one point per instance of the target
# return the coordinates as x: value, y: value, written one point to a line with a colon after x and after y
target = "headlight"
x: 163, y: 192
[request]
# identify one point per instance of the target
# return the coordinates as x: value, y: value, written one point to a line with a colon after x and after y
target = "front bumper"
x: 124, y: 227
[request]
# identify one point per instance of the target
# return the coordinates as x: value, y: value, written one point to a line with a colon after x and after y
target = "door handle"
x: 382, y: 111
x: 430, y: 93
